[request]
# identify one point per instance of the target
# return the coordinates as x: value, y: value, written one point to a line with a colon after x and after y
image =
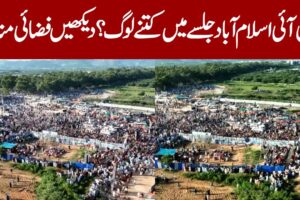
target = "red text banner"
x: 202, y: 29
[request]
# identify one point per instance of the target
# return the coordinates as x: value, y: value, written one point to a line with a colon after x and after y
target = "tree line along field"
x: 56, y: 82
x: 176, y: 76
x: 136, y: 86
x: 262, y: 91
x: 133, y: 86
x: 276, y: 81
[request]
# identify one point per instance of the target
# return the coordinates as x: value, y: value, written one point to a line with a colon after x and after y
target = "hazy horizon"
x: 27, y: 66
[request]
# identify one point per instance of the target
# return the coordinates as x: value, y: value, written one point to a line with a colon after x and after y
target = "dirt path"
x: 141, y: 184
x: 297, y: 185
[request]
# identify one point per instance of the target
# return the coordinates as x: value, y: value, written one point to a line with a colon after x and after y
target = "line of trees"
x: 55, y: 82
x: 287, y: 76
x: 174, y: 76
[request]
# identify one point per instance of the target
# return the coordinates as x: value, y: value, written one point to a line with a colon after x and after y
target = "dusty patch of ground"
x: 72, y: 154
x: 238, y: 152
x: 22, y: 190
x: 297, y: 185
x: 217, y: 90
x: 141, y: 184
x: 180, y: 188
x: 105, y: 95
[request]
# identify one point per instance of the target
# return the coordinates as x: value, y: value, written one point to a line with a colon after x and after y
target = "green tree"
x: 53, y: 187
x: 167, y: 160
x: 8, y: 83
x: 1, y: 151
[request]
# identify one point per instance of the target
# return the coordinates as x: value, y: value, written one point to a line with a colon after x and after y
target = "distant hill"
x: 37, y: 66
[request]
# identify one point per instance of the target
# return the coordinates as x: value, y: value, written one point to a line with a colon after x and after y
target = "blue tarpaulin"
x: 166, y: 152
x: 7, y: 145
x: 79, y: 165
x: 270, y: 168
x: 180, y: 97
x: 7, y: 156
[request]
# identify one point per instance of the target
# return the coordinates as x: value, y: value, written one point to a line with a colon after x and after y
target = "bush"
x: 218, y: 177
x: 1, y: 151
x: 248, y: 191
x: 167, y: 160
x: 53, y: 187
x: 33, y: 168
x: 142, y: 93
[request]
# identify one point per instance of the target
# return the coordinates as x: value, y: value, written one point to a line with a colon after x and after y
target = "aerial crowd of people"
x: 143, y: 134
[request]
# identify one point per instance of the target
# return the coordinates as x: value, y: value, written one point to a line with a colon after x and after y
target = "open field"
x: 262, y: 91
x: 179, y: 188
x: 22, y: 190
x: 133, y: 95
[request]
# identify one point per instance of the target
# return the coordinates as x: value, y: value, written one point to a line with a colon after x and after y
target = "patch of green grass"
x: 262, y: 91
x: 252, y: 157
x: 133, y: 95
x: 80, y: 154
x: 219, y: 177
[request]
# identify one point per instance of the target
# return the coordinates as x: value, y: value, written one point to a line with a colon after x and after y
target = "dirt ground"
x: 22, y: 190
x: 105, y: 95
x: 180, y: 187
x: 218, y: 90
x: 238, y: 152
x: 71, y: 154
x: 297, y: 186
x: 141, y: 184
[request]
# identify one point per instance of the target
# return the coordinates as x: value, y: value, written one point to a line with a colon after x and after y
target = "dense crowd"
x: 143, y: 134
x: 113, y: 168
x: 200, y: 155
x: 56, y: 152
x: 79, y: 121
x: 190, y: 89
x: 233, y: 120
x: 275, y: 155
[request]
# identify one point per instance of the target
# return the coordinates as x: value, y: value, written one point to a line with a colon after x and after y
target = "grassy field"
x: 262, y: 91
x: 252, y: 156
x: 133, y: 95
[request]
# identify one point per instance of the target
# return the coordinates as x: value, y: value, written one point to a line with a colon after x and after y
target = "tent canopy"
x: 166, y: 152
x: 7, y: 145
x: 79, y: 165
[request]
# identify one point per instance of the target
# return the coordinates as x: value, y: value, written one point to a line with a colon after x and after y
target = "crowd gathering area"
x: 127, y: 153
